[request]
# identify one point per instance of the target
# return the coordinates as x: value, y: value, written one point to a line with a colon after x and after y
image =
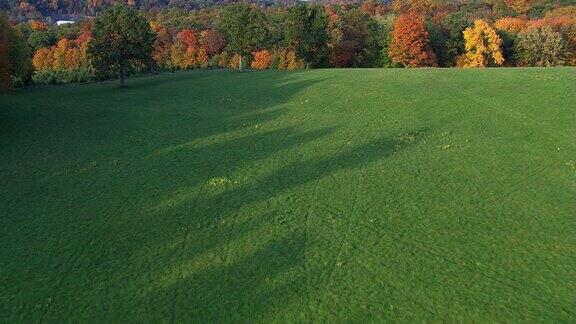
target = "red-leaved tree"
x: 212, y: 41
x: 188, y: 36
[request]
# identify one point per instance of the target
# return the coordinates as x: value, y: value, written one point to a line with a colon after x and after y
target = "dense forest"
x: 77, y: 9
x: 185, y: 34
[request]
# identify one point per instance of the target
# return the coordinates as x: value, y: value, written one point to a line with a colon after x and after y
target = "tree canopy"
x: 14, y: 61
x: 306, y: 32
x: 291, y: 35
x: 410, y: 45
x: 121, y: 38
x: 244, y: 28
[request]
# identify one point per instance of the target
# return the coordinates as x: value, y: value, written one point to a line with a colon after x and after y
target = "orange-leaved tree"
x: 202, y: 57
x: 162, y: 46
x: 38, y: 25
x: 60, y: 51
x: 65, y: 55
x: 262, y: 60
x: 188, y: 36
x: 511, y: 24
x: 184, y: 50
x: 43, y: 59
x: 482, y: 45
x: 234, y: 61
x: 410, y: 45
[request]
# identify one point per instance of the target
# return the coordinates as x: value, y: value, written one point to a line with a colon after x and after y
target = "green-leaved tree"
x: 244, y: 28
x: 121, y: 37
x: 305, y: 31
x: 14, y: 56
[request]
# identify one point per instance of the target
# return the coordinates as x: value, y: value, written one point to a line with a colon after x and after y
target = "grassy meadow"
x: 316, y: 196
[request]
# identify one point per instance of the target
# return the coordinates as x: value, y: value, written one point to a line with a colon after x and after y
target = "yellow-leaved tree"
x: 482, y: 46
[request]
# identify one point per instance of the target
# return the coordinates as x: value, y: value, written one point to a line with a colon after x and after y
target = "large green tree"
x: 121, y: 38
x: 305, y: 31
x: 244, y: 28
x: 14, y: 55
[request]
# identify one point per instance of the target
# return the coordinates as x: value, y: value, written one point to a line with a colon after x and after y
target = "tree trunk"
x: 307, y: 65
x: 240, y: 64
x: 121, y: 74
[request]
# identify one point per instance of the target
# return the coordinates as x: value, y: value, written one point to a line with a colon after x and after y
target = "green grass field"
x: 326, y: 195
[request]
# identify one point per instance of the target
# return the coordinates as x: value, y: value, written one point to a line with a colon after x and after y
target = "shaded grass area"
x: 326, y: 195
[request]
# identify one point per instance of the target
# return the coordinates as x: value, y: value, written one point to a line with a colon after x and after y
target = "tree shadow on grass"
x: 116, y: 216
x: 137, y: 83
x: 161, y: 111
x: 261, y: 285
x: 81, y: 169
x: 294, y: 175
x: 249, y: 287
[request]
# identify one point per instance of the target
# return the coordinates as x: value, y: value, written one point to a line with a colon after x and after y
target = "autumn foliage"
x: 188, y: 36
x: 261, y: 60
x: 201, y: 57
x: 482, y: 46
x: 188, y: 50
x: 221, y: 60
x: 38, y: 25
x: 541, y: 46
x: 511, y: 24
x: 212, y: 42
x: 43, y: 59
x: 562, y: 20
x: 162, y: 47
x: 288, y: 60
x: 234, y: 61
x: 520, y: 6
x: 65, y: 55
x: 410, y: 45
x: 184, y: 54
x: 373, y: 8
x: 368, y: 33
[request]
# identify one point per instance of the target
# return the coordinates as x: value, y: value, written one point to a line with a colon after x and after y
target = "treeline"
x: 404, y: 33
x: 23, y: 10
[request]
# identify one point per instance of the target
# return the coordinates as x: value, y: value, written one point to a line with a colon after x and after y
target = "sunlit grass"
x: 316, y: 196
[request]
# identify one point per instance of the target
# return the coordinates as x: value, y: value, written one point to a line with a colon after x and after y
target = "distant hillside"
x: 21, y: 10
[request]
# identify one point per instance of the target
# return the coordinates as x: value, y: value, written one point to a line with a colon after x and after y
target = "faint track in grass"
x: 345, y: 237
x: 503, y: 110
x: 466, y: 265
x: 226, y: 251
x: 185, y: 239
x: 487, y: 273
x: 394, y: 288
x: 310, y: 202
x: 519, y: 185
